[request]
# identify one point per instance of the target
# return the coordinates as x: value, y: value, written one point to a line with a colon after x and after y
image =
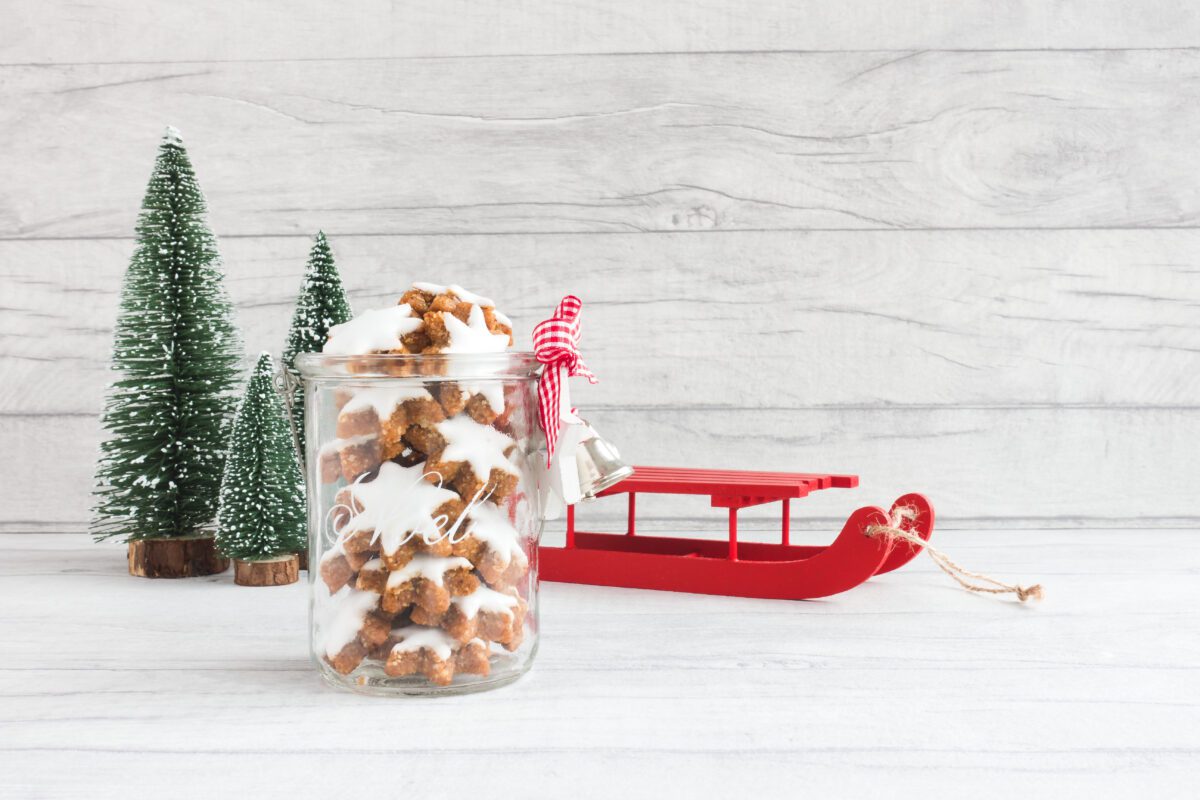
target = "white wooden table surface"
x: 906, y: 686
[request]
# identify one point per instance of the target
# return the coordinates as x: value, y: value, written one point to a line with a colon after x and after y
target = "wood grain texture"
x: 279, y: 572
x: 947, y: 362
x: 1075, y: 139
x: 955, y: 251
x: 202, y: 688
x: 1055, y: 465
x: 941, y: 246
x: 187, y: 557
x: 722, y: 321
x: 126, y: 30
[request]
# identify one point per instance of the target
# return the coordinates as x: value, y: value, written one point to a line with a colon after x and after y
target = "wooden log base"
x: 303, y: 556
x: 182, y: 557
x: 268, y: 572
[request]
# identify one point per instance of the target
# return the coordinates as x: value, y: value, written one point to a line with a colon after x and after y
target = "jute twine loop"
x: 971, y: 581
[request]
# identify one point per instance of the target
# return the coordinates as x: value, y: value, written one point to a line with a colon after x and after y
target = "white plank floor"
x: 906, y: 686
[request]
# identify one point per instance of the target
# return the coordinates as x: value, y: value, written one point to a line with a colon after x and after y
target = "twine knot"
x: 1034, y: 591
x: 897, y: 527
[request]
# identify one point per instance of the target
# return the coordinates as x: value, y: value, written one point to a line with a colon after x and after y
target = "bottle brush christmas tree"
x: 321, y: 305
x: 261, y: 523
x: 177, y: 353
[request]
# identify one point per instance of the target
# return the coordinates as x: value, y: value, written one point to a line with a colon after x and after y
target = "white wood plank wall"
x: 952, y: 247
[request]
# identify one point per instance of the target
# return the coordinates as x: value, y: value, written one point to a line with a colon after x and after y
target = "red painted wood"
x: 728, y: 483
x: 742, y: 569
x: 787, y: 521
x: 702, y: 566
x: 733, y: 543
x: 746, y: 501
x: 903, y: 552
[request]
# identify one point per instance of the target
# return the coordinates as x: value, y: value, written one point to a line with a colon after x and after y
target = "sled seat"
x: 731, y: 489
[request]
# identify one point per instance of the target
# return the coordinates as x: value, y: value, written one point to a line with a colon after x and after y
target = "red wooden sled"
x: 779, y: 571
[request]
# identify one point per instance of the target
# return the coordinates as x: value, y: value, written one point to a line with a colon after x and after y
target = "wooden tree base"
x: 303, y: 556
x: 270, y: 572
x: 182, y: 557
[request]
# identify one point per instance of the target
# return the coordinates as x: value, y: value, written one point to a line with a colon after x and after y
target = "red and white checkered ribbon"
x: 555, y: 344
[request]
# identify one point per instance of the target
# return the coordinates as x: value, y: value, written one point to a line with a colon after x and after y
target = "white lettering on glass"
x: 432, y: 529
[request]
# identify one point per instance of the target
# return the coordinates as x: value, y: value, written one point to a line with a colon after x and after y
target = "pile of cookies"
x: 425, y: 572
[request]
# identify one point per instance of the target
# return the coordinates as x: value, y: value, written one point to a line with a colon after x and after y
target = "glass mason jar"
x: 424, y: 519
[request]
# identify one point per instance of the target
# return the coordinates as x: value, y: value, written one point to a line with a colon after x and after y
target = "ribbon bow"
x: 555, y: 344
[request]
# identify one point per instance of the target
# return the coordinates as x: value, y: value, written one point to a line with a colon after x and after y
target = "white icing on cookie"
x: 473, y: 335
x: 384, y: 399
x: 457, y: 291
x: 485, y: 599
x: 420, y: 637
x: 372, y: 331
x: 397, y: 505
x: 490, y: 525
x: 345, y: 611
x: 481, y: 446
x: 431, y: 568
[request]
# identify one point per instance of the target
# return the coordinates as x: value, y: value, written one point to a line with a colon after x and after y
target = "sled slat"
x: 729, y: 488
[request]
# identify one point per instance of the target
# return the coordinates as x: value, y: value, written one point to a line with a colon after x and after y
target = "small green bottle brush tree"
x: 261, y: 523
x: 177, y: 353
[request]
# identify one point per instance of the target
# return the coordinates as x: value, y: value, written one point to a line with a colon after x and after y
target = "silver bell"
x: 599, y: 464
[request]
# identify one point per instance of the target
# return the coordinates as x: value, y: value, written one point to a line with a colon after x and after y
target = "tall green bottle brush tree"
x: 177, y: 354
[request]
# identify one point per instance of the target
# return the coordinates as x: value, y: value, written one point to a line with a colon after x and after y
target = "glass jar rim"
x: 510, y: 364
